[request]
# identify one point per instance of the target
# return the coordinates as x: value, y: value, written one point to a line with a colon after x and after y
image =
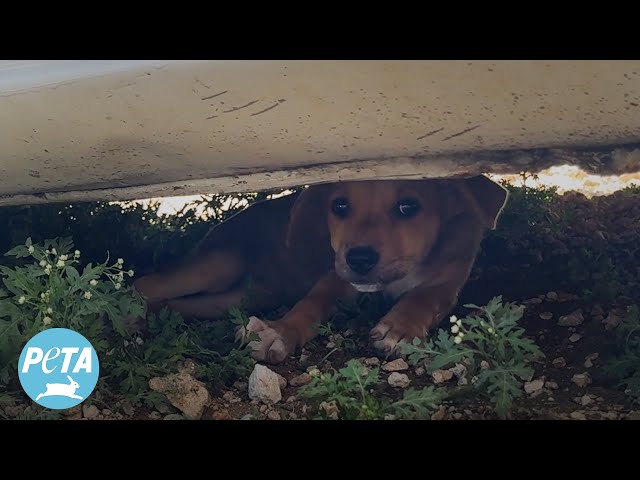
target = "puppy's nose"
x: 362, y: 259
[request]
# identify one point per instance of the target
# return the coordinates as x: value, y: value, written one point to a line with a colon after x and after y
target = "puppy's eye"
x: 340, y: 207
x: 407, y: 208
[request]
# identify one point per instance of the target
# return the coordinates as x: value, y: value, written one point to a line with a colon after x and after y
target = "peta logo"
x: 58, y: 368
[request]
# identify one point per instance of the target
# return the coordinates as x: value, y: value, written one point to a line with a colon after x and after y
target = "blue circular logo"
x: 58, y: 368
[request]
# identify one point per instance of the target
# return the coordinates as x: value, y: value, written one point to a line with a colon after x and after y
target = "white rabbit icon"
x: 61, y: 390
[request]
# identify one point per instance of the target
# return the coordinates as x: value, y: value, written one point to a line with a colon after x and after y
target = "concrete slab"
x: 120, y: 130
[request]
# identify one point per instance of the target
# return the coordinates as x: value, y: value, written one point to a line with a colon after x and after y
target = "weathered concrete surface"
x: 119, y: 130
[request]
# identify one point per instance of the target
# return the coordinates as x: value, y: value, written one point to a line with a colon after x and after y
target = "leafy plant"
x: 625, y: 366
x: 492, y: 347
x: 352, y: 389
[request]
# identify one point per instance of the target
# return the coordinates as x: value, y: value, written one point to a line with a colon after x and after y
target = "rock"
x: 457, y: 416
x: 221, y: 414
x: 154, y: 416
x: 581, y: 379
x: 291, y: 399
x: 304, y: 358
x: 240, y: 386
x: 633, y: 415
x: 484, y: 365
x: 183, y: 392
x: 398, y: 380
x: 419, y: 371
x: 173, y: 416
x: 572, y: 320
x: 128, y: 409
x: 273, y: 415
x: 577, y: 415
x: 264, y: 385
x: 551, y: 385
x: 230, y: 397
x: 372, y: 361
x: 586, y: 400
x: 300, y: 380
x: 609, y: 415
x: 188, y: 367
x: 441, y: 376
x: 330, y: 409
x: 331, y: 345
x: 546, y: 315
x: 248, y: 416
x: 588, y: 361
x: 440, y: 414
x: 389, y: 416
x: 90, y: 412
x: 282, y: 381
x: 552, y: 296
x: 264, y: 408
x: 73, y: 413
x: 612, y: 321
x: 575, y: 337
x: 559, y: 362
x: 397, y: 365
x: 534, y: 386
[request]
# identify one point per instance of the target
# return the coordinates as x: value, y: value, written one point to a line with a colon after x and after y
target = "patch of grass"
x: 352, y: 389
x: 492, y: 347
x: 624, y: 367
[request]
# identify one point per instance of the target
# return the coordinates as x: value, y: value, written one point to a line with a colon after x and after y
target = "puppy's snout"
x: 362, y: 259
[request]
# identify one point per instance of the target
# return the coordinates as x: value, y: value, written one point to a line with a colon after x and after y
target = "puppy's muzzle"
x: 362, y: 260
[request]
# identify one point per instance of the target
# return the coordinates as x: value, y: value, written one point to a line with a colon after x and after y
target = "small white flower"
x: 314, y: 372
x: 60, y: 263
x: 93, y: 283
x: 43, y: 263
x: 121, y: 277
x: 130, y: 272
x: 120, y: 261
x: 483, y: 323
x: 31, y: 249
x: 53, y: 250
x: 457, y: 340
x: 461, y: 335
x: 490, y: 330
x: 22, y: 299
x: 47, y: 320
x: 126, y: 343
x: 455, y: 329
x: 42, y: 295
x: 118, y: 286
x: 453, y: 319
x: 64, y: 257
x: 49, y: 310
x: 76, y: 253
x: 47, y: 251
x: 459, y: 323
x: 88, y: 295
x: 139, y: 340
x: 47, y: 269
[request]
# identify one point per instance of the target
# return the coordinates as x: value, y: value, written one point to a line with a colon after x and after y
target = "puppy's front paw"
x: 277, y: 340
x: 392, y: 332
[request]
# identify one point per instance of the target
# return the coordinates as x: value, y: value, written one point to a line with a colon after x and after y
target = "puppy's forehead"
x: 384, y: 191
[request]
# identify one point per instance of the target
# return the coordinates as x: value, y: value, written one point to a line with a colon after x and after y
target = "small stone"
x: 155, y: 416
x: 264, y: 385
x: 577, y: 416
x: 292, y: 416
x: 546, y: 315
x: 398, y: 380
x: 240, y: 386
x: 419, y: 371
x: 440, y: 414
x: 248, y: 416
x: 581, y: 379
x: 559, y: 362
x: 609, y: 415
x: 612, y: 321
x: 90, y: 412
x: 484, y: 365
x: 552, y: 296
x: 106, y: 412
x: 291, y: 399
x: 173, y: 416
x: 188, y: 367
x: 575, y: 337
x: 534, y: 386
x: 231, y: 397
x: 73, y: 413
x: 263, y: 408
x: 282, y: 381
x: 273, y: 415
x: 586, y: 400
x: 457, y: 416
x: 330, y: 409
x: 441, y: 376
x: 634, y: 415
x: 183, y: 392
x: 588, y: 360
x: 128, y: 409
x: 331, y: 345
x: 389, y: 416
x: 397, y: 365
x: 300, y: 380
x: 372, y: 361
x: 304, y: 358
x: 572, y: 320
x: 551, y: 385
x: 533, y: 301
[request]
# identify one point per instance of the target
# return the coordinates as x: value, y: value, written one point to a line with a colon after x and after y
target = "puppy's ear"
x: 308, y: 218
x: 484, y: 197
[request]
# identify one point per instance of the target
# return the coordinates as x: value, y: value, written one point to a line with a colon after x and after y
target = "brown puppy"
x: 415, y: 240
